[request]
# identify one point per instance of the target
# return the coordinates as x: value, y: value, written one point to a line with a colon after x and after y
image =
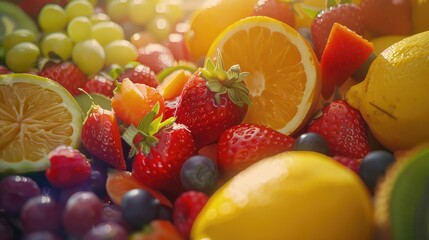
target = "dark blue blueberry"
x: 199, y: 173
x: 374, y: 166
x: 311, y: 141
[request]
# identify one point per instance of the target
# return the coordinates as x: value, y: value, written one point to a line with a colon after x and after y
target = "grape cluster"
x: 76, y: 32
x: 158, y: 17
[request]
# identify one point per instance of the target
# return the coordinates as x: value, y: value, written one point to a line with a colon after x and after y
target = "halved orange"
x: 284, y: 81
x: 36, y: 115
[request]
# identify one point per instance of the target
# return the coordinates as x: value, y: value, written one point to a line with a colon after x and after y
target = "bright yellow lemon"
x: 292, y: 195
x: 36, y: 115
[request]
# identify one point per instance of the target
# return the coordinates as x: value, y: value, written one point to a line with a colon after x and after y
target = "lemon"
x: 293, y: 195
x: 209, y: 19
x: 393, y: 96
x: 36, y: 115
x: 383, y: 42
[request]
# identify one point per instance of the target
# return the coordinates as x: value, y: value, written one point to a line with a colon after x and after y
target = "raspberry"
x: 186, y: 208
x: 351, y: 163
x: 68, y: 167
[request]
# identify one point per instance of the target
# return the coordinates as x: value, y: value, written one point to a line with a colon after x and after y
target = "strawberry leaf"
x: 312, y: 12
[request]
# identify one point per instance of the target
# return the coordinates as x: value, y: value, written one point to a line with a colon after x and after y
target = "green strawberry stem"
x: 230, y: 82
x: 147, y: 128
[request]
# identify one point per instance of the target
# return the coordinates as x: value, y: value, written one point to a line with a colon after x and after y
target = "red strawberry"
x: 101, y: 137
x: 212, y: 101
x: 348, y: 15
x: 343, y: 128
x: 344, y: 53
x: 68, y: 167
x: 387, y: 17
x: 351, y: 163
x: 159, y: 149
x: 100, y: 84
x: 244, y: 144
x: 276, y: 9
x: 65, y: 73
x: 186, y: 208
x: 170, y: 107
x: 139, y: 73
x: 156, y: 56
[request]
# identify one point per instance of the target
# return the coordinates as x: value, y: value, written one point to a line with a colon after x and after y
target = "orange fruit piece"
x: 172, y: 85
x: 120, y: 182
x: 210, y: 19
x: 284, y: 82
x: 132, y: 101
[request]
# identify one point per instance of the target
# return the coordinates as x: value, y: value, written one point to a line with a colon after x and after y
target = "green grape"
x: 160, y: 27
x: 89, y: 56
x: 79, y: 29
x: 105, y: 32
x: 93, y: 2
x: 172, y: 10
x: 117, y: 10
x: 120, y: 52
x: 57, y: 45
x: 141, y: 12
x: 99, y: 17
x: 18, y: 36
x: 52, y: 18
x: 79, y: 8
x: 22, y: 57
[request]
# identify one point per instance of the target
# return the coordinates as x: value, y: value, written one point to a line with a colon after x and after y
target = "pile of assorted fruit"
x: 228, y: 119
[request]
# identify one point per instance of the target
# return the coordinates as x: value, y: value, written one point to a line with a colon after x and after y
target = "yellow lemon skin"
x: 383, y: 42
x: 393, y: 97
x: 293, y: 195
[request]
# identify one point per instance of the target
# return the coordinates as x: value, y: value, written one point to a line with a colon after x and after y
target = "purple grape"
x: 15, y: 190
x: 40, y: 213
x: 41, y: 236
x: 102, y: 231
x: 199, y: 173
x: 6, y: 230
x: 68, y: 192
x: 82, y: 212
x: 98, y: 180
x: 113, y: 213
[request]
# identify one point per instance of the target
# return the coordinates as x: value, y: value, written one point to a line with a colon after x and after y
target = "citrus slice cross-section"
x: 36, y: 115
x: 284, y: 81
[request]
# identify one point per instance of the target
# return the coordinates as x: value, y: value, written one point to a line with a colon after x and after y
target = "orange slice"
x: 284, y: 81
x: 36, y: 115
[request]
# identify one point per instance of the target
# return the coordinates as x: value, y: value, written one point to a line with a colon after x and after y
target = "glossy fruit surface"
x: 52, y: 108
x: 280, y: 202
x: 384, y: 98
x: 283, y: 91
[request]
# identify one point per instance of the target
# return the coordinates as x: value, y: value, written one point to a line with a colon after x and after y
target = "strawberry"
x: 387, y: 17
x: 349, y: 15
x: 132, y: 101
x: 344, y: 53
x: 65, y: 73
x: 277, y: 9
x: 68, y: 167
x: 159, y: 149
x: 139, y: 73
x: 102, y: 138
x: 171, y: 106
x: 101, y: 85
x: 212, y: 101
x: 244, y: 144
x: 156, y: 56
x: 351, y: 163
x: 343, y: 128
x: 186, y: 208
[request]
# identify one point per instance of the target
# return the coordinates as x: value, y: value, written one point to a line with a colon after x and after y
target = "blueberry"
x: 374, y: 166
x: 140, y: 207
x: 311, y: 141
x: 199, y: 173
